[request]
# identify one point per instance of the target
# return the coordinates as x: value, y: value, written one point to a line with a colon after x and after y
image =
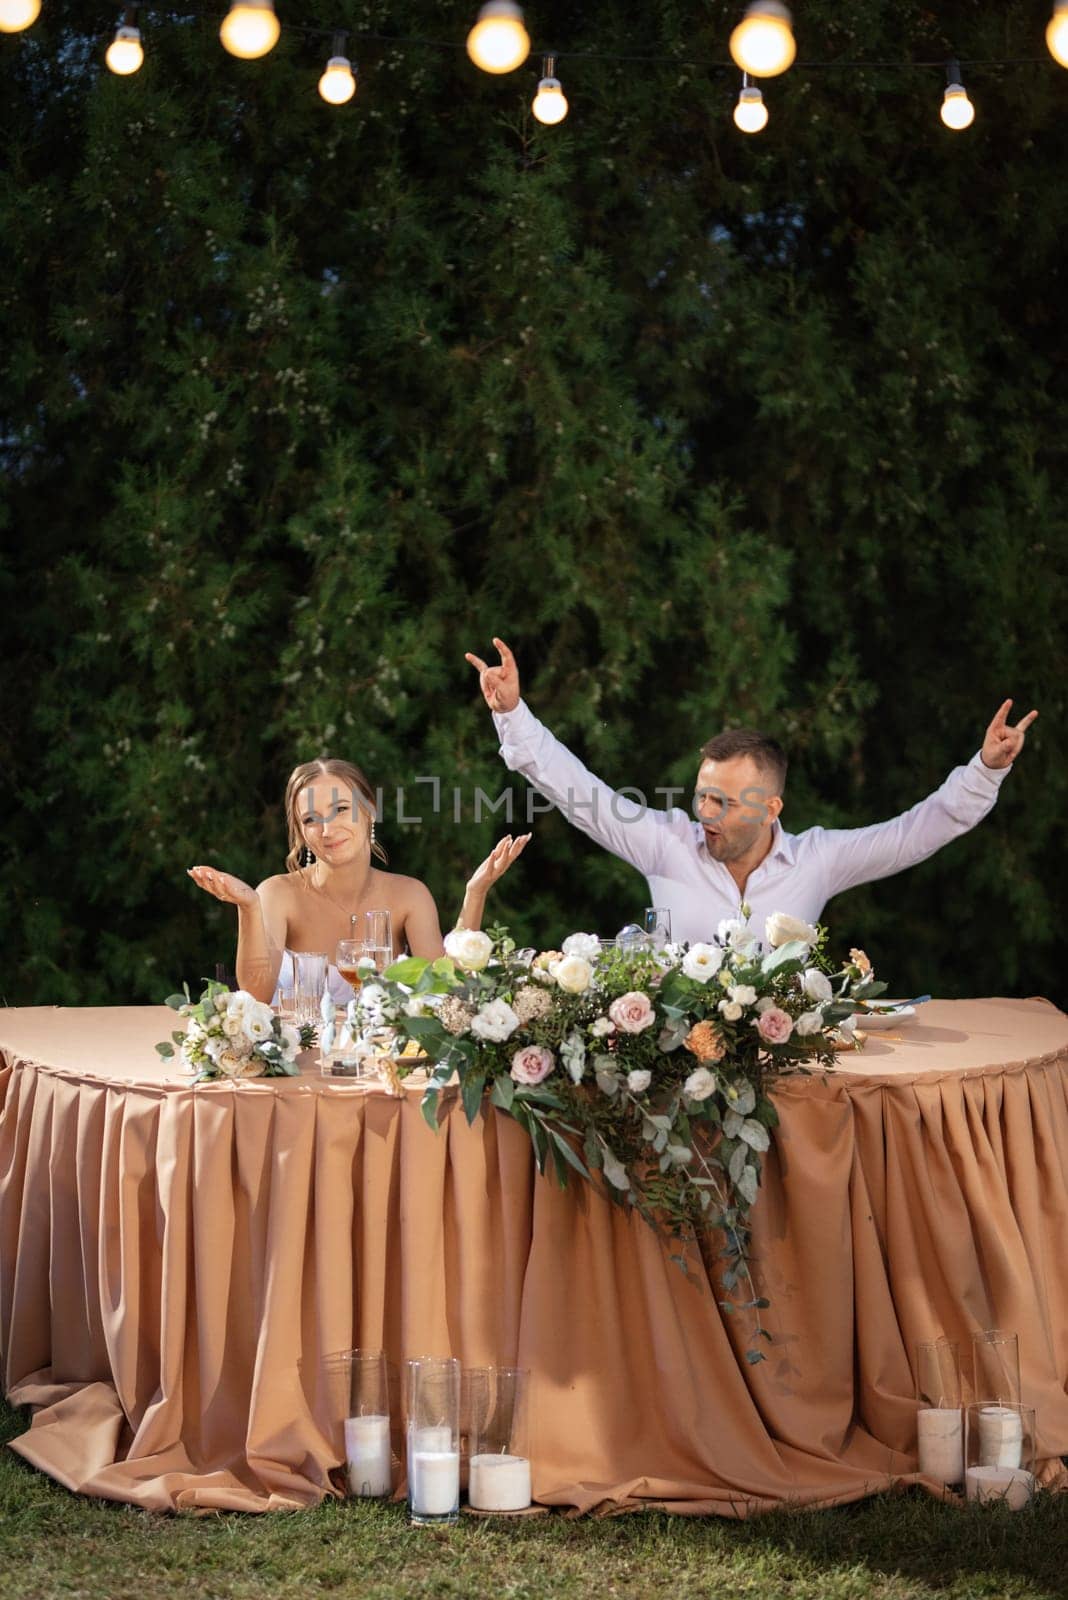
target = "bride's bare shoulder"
x: 282, y: 886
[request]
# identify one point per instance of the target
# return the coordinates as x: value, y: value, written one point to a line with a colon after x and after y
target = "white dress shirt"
x: 800, y: 872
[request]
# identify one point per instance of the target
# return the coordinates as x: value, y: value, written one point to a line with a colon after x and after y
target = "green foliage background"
x: 298, y: 404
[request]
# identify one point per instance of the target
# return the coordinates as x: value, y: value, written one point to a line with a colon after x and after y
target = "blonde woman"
x: 331, y: 877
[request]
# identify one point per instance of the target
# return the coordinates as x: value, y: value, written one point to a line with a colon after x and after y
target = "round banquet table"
x: 169, y: 1253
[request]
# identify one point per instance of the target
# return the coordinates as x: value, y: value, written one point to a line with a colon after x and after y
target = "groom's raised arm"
x: 618, y: 822
x: 861, y: 855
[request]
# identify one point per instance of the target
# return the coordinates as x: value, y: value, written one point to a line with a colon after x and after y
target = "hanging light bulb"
x: 125, y: 53
x: 18, y: 14
x: 498, y: 42
x: 338, y: 83
x: 750, y: 114
x: 549, y: 105
x: 763, y: 42
x: 1057, y: 33
x: 250, y: 28
x: 957, y: 110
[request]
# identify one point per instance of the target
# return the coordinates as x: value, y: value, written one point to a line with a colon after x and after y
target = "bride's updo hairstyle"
x: 327, y: 772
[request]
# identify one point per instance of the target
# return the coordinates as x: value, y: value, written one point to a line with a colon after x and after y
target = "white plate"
x: 888, y: 1014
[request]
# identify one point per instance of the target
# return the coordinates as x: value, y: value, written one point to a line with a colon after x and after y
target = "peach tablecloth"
x: 168, y: 1253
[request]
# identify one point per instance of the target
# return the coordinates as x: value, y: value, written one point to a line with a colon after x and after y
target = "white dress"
x: 340, y: 990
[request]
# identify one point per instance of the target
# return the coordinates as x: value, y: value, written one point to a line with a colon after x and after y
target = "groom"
x: 737, y: 849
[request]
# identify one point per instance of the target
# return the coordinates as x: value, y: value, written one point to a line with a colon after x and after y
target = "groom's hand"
x: 1003, y: 744
x: 499, y: 685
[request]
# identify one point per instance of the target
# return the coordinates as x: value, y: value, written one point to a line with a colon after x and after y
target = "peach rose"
x: 774, y: 1025
x: 532, y: 1064
x: 632, y: 1012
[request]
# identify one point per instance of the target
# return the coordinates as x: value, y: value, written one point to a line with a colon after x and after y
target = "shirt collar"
x: 783, y: 844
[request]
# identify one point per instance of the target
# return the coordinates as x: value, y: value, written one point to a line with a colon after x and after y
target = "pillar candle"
x: 499, y: 1483
x: 1000, y: 1437
x: 368, y: 1454
x: 435, y: 1485
x: 940, y: 1434
x: 1011, y: 1484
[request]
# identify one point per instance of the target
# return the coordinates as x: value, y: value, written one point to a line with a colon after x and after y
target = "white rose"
x: 780, y: 929
x: 290, y: 1040
x: 808, y: 1023
x: 639, y: 1080
x: 237, y: 1002
x: 233, y: 1026
x: 702, y: 961
x: 494, y: 1022
x: 731, y: 1010
x: 700, y: 1084
x: 215, y: 1047
x: 737, y: 936
x: 259, y: 1020
x: 742, y: 994
x: 816, y: 984
x: 573, y: 974
x: 586, y: 945
x: 766, y: 1004
x: 234, y: 1065
x: 468, y: 948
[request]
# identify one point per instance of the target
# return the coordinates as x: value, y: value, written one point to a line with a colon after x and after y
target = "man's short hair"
x: 767, y: 753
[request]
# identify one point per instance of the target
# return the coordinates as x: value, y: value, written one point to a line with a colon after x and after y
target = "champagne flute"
x: 349, y: 954
x: 378, y: 938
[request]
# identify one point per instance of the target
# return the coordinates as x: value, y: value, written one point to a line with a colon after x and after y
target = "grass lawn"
x: 55, y: 1544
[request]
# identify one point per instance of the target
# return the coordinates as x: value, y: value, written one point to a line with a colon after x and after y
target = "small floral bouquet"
x: 649, y: 1067
x: 229, y: 1034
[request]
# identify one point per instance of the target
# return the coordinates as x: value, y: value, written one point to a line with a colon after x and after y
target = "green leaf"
x: 471, y: 1094
x: 176, y: 1001
x: 165, y: 1050
x: 424, y: 1028
x: 408, y: 970
x: 503, y: 1092
x: 755, y: 1134
x: 429, y: 1107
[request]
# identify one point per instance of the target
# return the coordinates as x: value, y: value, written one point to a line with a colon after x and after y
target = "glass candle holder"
x: 434, y: 1440
x: 309, y: 981
x: 499, y: 1465
x: 999, y: 1453
x: 356, y: 1386
x: 996, y: 1366
x: 939, y: 1420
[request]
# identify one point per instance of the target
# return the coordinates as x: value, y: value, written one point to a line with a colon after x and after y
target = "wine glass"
x: 378, y: 938
x: 347, y: 958
x: 657, y: 926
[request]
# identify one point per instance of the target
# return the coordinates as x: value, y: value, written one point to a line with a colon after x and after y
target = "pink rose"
x: 774, y: 1025
x: 633, y: 1012
x: 532, y: 1064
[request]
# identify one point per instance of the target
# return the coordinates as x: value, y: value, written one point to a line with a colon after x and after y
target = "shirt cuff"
x: 514, y: 728
x: 994, y: 775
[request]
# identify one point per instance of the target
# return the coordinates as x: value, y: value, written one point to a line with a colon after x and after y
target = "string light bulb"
x: 763, y: 42
x: 18, y: 14
x: 1057, y: 33
x: 499, y: 42
x: 957, y: 110
x: 125, y: 53
x: 338, y: 83
x: 250, y: 29
x: 549, y: 105
x: 750, y: 114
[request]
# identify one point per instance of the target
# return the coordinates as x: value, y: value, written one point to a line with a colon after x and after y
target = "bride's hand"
x: 497, y: 863
x: 223, y: 885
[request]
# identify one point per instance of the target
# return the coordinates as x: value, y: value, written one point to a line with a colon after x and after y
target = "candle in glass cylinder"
x: 499, y: 1483
x: 367, y: 1451
x: 940, y: 1436
x: 1013, y: 1485
x: 1000, y: 1437
x: 435, y: 1486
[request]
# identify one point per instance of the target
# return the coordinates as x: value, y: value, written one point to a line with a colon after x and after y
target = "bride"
x: 330, y: 878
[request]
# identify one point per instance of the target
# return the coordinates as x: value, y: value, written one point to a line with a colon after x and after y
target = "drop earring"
x: 305, y: 859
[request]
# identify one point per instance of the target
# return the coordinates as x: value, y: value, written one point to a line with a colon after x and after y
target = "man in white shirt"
x: 701, y: 869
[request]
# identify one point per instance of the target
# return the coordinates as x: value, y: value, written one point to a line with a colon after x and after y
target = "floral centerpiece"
x: 231, y: 1034
x: 651, y: 1068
